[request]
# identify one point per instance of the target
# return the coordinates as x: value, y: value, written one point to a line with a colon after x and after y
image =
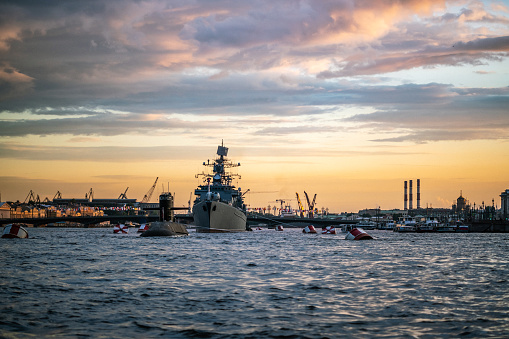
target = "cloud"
x: 105, y: 124
x: 445, y: 113
x: 13, y: 83
x: 112, y: 68
x: 485, y: 44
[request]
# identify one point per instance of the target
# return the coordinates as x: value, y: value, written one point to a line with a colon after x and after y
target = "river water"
x: 93, y: 283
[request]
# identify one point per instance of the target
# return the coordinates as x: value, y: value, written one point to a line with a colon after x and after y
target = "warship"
x: 219, y: 206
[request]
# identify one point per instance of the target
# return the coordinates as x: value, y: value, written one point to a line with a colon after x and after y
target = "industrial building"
x: 504, y: 204
x: 409, y: 205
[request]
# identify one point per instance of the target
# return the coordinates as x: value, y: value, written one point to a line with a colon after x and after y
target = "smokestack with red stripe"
x: 411, y: 205
x: 418, y: 193
x: 406, y: 197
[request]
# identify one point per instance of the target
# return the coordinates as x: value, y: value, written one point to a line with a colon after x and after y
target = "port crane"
x: 32, y: 199
x: 147, y: 196
x: 123, y: 195
x: 301, y: 209
x: 311, y: 205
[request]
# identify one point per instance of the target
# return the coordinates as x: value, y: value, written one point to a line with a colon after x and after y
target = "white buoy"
x: 329, y: 230
x: 120, y: 229
x: 279, y: 228
x: 309, y: 229
x: 358, y: 234
x: 14, y: 231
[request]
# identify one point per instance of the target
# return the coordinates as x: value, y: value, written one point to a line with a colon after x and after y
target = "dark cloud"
x: 486, y: 44
x: 104, y: 124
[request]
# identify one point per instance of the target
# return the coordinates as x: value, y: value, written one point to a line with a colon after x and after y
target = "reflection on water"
x: 91, y: 282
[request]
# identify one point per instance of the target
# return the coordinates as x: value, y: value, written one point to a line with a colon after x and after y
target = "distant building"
x: 461, y: 208
x: 461, y: 203
x: 5, y: 210
x: 504, y: 197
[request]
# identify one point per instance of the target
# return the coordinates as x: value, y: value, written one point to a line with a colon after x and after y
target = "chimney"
x: 411, y: 205
x: 406, y: 197
x: 418, y: 193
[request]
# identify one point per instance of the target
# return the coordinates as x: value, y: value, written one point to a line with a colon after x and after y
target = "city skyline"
x: 343, y: 99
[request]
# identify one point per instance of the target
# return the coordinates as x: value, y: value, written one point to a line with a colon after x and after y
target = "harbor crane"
x: 32, y: 199
x: 311, y: 205
x: 123, y: 195
x: 301, y: 209
x: 147, y: 196
x: 282, y: 201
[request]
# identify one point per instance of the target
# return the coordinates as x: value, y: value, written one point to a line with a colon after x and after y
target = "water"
x: 93, y: 283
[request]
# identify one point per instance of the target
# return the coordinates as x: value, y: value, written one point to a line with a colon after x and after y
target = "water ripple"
x: 92, y: 283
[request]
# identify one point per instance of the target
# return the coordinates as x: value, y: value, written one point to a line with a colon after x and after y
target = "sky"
x: 339, y: 98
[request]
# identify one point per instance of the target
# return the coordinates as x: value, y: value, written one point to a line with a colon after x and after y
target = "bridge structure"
x: 272, y: 221
x: 253, y: 220
x: 85, y: 221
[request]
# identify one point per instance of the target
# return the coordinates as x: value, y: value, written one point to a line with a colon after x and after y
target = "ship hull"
x: 218, y: 217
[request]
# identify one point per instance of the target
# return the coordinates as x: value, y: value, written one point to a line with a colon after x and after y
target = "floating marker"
x: 309, y: 229
x: 329, y: 230
x: 279, y: 228
x: 120, y: 229
x: 14, y: 231
x: 358, y: 234
x: 143, y: 228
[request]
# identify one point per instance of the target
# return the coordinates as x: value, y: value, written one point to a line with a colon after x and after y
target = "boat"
x: 165, y: 228
x: 288, y: 212
x: 389, y: 226
x: 366, y: 224
x: 446, y: 228
x: 462, y: 228
x: 405, y: 224
x: 429, y: 225
x: 14, y: 231
x: 219, y: 206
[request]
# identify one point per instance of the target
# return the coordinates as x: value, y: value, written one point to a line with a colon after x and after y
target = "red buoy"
x: 329, y: 230
x: 143, y: 228
x: 358, y: 234
x: 14, y: 231
x: 120, y: 229
x: 279, y: 228
x: 309, y: 229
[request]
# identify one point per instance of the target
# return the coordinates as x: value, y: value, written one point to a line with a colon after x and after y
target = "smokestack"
x: 406, y: 197
x: 411, y: 205
x: 418, y: 193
